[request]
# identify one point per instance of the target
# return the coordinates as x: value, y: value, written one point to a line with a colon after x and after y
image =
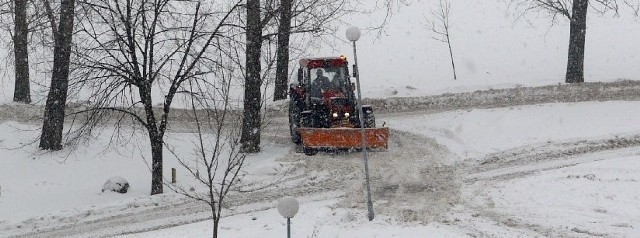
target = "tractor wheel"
x: 370, y: 121
x: 310, y: 151
x: 294, y: 122
x: 369, y: 118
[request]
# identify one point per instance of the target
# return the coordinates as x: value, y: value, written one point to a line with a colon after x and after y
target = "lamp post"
x: 353, y: 34
x: 288, y: 207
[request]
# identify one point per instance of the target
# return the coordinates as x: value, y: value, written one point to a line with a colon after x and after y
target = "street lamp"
x: 288, y: 207
x: 353, y: 34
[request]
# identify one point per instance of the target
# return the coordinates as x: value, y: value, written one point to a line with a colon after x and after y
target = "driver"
x: 320, y: 84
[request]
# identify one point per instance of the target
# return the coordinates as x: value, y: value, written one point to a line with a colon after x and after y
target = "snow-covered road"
x: 561, y: 169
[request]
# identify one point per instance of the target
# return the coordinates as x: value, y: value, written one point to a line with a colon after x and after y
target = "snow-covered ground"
x: 588, y: 194
x: 316, y: 219
x: 476, y: 133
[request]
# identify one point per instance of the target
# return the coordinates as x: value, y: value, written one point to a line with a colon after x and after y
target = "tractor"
x: 323, y: 109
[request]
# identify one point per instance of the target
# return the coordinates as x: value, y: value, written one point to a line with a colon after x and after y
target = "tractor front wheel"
x: 368, y: 117
x: 309, y: 151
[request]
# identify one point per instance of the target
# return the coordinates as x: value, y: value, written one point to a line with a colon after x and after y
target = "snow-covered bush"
x: 116, y: 184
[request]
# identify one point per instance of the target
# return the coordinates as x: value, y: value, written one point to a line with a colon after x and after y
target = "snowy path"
x: 322, y: 177
x: 419, y: 179
x: 452, y: 194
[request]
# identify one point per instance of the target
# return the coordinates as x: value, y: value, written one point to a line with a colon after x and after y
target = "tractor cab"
x: 329, y: 82
x: 320, y: 79
x: 324, y: 88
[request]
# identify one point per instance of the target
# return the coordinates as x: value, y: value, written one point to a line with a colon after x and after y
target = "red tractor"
x: 323, y: 109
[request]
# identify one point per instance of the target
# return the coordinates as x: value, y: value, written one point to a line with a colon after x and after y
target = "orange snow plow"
x: 344, y: 137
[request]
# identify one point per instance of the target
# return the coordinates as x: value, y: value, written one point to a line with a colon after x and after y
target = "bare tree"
x: 262, y: 24
x: 390, y: 8
x: 635, y: 7
x: 316, y: 17
x: 134, y: 51
x: 31, y: 39
x: 576, y: 12
x: 440, y: 26
x: 282, y: 67
x: 22, y: 89
x: 577, y: 38
x: 298, y: 18
x: 52, y: 128
x: 217, y: 146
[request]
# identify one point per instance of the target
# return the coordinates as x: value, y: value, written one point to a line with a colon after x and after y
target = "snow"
x: 503, y: 183
x: 478, y: 132
x: 597, y: 195
x: 315, y: 218
x: 37, y: 183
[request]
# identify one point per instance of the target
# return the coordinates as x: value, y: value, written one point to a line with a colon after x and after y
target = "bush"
x: 116, y: 184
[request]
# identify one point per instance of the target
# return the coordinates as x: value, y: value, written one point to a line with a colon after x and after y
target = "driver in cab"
x: 320, y: 84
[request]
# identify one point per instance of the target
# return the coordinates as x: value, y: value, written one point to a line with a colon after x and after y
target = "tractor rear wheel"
x: 294, y: 122
x: 307, y: 120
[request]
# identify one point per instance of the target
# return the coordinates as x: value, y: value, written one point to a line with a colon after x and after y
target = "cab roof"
x: 318, y: 62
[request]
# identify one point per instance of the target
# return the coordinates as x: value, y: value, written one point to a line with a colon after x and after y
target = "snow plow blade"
x: 344, y: 138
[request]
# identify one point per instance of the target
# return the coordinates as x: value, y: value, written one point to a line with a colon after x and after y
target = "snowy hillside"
x: 493, y: 46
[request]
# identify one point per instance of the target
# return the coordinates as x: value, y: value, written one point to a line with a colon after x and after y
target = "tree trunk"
x: 51, y: 137
x: 22, y: 91
x: 156, y: 162
x: 156, y: 138
x: 251, y: 122
x: 216, y: 223
x: 282, y: 67
x: 577, y: 35
x: 453, y: 64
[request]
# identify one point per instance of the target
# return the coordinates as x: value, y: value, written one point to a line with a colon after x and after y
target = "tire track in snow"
x: 165, y: 216
x: 521, y: 162
x: 397, y: 174
x: 525, y: 160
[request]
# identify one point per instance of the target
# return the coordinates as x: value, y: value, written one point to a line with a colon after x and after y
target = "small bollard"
x: 173, y: 175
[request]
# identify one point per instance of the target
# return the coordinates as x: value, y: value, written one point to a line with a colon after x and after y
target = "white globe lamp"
x: 353, y: 33
x: 288, y: 207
